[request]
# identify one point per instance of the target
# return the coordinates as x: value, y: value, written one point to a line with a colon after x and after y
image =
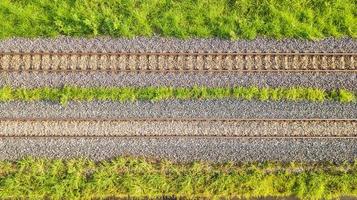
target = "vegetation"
x: 187, y: 18
x: 67, y: 93
x: 137, y: 177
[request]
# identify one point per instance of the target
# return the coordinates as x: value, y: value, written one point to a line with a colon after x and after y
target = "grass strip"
x: 122, y: 94
x: 145, y: 178
x: 186, y: 18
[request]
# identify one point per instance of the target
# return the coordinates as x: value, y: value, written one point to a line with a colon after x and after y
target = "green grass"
x: 71, y: 93
x: 144, y: 178
x: 312, y: 19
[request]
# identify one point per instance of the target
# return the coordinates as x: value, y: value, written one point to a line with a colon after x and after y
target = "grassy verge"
x: 67, y: 93
x: 187, y: 18
x: 137, y: 177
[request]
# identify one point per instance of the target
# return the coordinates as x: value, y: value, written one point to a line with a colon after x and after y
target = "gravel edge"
x: 326, y: 81
x: 160, y: 44
x: 184, y: 149
x: 216, y: 109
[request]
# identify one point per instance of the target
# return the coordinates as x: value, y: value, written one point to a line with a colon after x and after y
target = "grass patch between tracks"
x: 187, y: 18
x: 137, y: 177
x: 71, y: 93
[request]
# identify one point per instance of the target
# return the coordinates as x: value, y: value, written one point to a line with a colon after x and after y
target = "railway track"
x: 177, y: 61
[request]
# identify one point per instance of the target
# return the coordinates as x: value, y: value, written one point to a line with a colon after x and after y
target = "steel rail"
x: 66, y: 71
x: 181, y: 53
x: 174, y: 136
x: 175, y: 120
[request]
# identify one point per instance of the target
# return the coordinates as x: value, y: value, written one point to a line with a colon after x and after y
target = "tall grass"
x: 71, y: 93
x: 143, y: 178
x: 179, y: 18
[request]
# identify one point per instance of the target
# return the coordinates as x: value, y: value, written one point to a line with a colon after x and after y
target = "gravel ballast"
x: 326, y: 81
x: 157, y: 44
x: 183, y: 149
x: 217, y: 109
x: 179, y: 128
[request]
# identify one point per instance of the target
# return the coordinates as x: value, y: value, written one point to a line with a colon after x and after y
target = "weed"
x: 144, y: 178
x: 313, y: 94
x: 182, y: 93
x: 346, y: 96
x: 6, y: 93
x: 187, y: 18
x: 70, y: 93
x: 264, y: 94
